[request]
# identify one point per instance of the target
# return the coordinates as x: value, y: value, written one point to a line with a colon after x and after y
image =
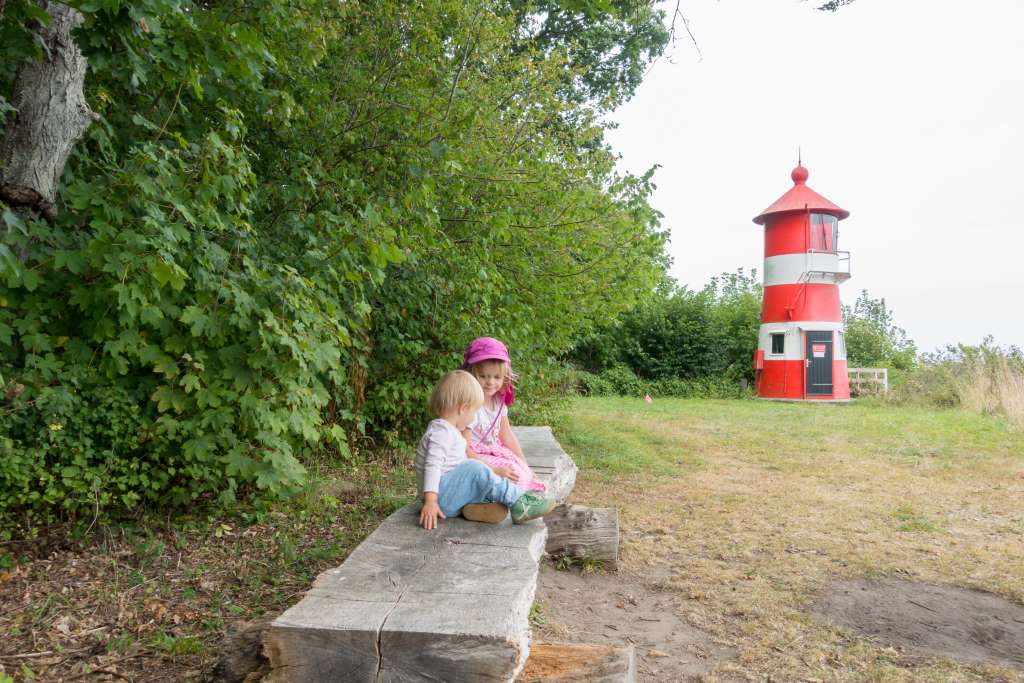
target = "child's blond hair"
x: 455, y: 389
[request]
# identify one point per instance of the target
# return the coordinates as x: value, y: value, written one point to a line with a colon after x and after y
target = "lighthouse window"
x: 824, y: 232
x: 778, y: 343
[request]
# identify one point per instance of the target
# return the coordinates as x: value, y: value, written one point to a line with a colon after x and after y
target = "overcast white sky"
x: 910, y: 115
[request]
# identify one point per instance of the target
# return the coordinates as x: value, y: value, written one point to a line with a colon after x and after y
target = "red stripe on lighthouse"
x: 786, y: 234
x: 786, y: 379
x: 805, y: 301
x: 840, y: 380
x: 781, y: 379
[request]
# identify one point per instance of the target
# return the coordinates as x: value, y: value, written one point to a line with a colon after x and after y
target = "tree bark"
x: 52, y: 115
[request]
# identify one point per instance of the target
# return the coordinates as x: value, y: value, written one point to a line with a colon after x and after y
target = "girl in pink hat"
x: 490, y: 436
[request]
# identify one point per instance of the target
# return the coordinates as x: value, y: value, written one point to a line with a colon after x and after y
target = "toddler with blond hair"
x: 450, y: 483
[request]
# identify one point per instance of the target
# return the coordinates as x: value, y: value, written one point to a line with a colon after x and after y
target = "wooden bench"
x: 450, y: 604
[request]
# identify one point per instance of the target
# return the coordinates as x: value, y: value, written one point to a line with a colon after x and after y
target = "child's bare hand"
x: 430, y: 512
x: 506, y: 472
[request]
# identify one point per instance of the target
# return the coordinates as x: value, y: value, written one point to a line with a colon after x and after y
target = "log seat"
x: 451, y: 604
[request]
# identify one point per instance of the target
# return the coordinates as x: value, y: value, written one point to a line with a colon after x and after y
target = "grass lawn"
x: 752, y: 508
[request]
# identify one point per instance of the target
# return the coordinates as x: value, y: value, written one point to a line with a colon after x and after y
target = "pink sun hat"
x: 489, y: 348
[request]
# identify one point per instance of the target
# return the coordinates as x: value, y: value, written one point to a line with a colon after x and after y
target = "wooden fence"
x: 869, y: 380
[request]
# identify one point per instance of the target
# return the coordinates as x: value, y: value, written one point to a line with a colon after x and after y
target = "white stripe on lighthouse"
x: 794, y: 339
x: 787, y: 269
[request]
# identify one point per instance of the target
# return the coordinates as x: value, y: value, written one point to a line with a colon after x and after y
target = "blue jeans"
x: 474, y: 482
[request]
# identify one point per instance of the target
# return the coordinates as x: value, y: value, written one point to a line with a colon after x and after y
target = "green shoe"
x: 530, y: 506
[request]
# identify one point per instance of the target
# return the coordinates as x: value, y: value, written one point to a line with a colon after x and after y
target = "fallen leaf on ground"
x: 63, y: 625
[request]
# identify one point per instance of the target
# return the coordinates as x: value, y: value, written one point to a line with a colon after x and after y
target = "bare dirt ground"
x: 623, y: 607
x: 918, y: 618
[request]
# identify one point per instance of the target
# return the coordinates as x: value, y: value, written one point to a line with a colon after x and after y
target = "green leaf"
x: 166, y: 366
x: 12, y: 220
x: 11, y: 266
x: 167, y: 273
x: 190, y: 382
x: 197, y: 319
x: 371, y: 216
x: 140, y: 120
x: 74, y: 261
x: 30, y: 279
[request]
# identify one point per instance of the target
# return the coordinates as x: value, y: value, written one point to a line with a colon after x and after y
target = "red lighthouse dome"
x: 800, y: 197
x: 801, y: 351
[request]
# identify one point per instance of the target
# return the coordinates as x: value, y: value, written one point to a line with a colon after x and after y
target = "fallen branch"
x: 28, y: 655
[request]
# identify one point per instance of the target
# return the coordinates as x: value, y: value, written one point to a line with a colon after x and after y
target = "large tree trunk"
x: 52, y: 115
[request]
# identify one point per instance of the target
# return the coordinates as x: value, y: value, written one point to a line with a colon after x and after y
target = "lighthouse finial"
x: 799, y: 174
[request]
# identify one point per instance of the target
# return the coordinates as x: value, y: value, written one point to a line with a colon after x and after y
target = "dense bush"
x: 290, y: 219
x: 681, y: 342
x: 620, y: 381
x: 678, y: 334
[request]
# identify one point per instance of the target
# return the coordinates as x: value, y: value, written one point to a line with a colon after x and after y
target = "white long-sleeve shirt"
x: 441, y: 450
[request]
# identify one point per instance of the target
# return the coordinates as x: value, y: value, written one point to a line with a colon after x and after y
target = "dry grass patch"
x: 758, y: 507
x: 993, y: 384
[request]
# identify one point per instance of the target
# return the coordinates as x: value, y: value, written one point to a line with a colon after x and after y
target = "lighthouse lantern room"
x: 801, y: 351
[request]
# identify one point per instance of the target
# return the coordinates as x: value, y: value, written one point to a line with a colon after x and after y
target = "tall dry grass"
x: 983, y: 379
x: 992, y: 383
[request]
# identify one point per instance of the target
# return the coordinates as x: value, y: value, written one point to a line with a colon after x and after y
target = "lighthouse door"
x: 819, y: 363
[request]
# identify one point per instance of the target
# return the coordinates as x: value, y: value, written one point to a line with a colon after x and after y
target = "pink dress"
x: 485, y: 442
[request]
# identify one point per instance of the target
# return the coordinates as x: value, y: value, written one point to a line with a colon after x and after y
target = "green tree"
x: 607, y: 44
x: 287, y: 220
x: 872, y: 337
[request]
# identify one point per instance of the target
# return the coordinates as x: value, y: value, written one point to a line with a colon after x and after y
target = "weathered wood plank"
x: 323, y: 639
x: 457, y: 637
x: 456, y: 600
x: 576, y: 663
x: 548, y: 461
x: 579, y: 531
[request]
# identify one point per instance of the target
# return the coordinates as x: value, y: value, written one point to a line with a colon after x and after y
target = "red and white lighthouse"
x: 801, y: 350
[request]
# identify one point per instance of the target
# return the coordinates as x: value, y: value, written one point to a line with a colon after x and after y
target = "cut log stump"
x: 574, y: 663
x: 585, y: 533
x: 242, y: 657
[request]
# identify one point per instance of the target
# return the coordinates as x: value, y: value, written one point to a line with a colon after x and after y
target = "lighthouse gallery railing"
x: 842, y: 268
